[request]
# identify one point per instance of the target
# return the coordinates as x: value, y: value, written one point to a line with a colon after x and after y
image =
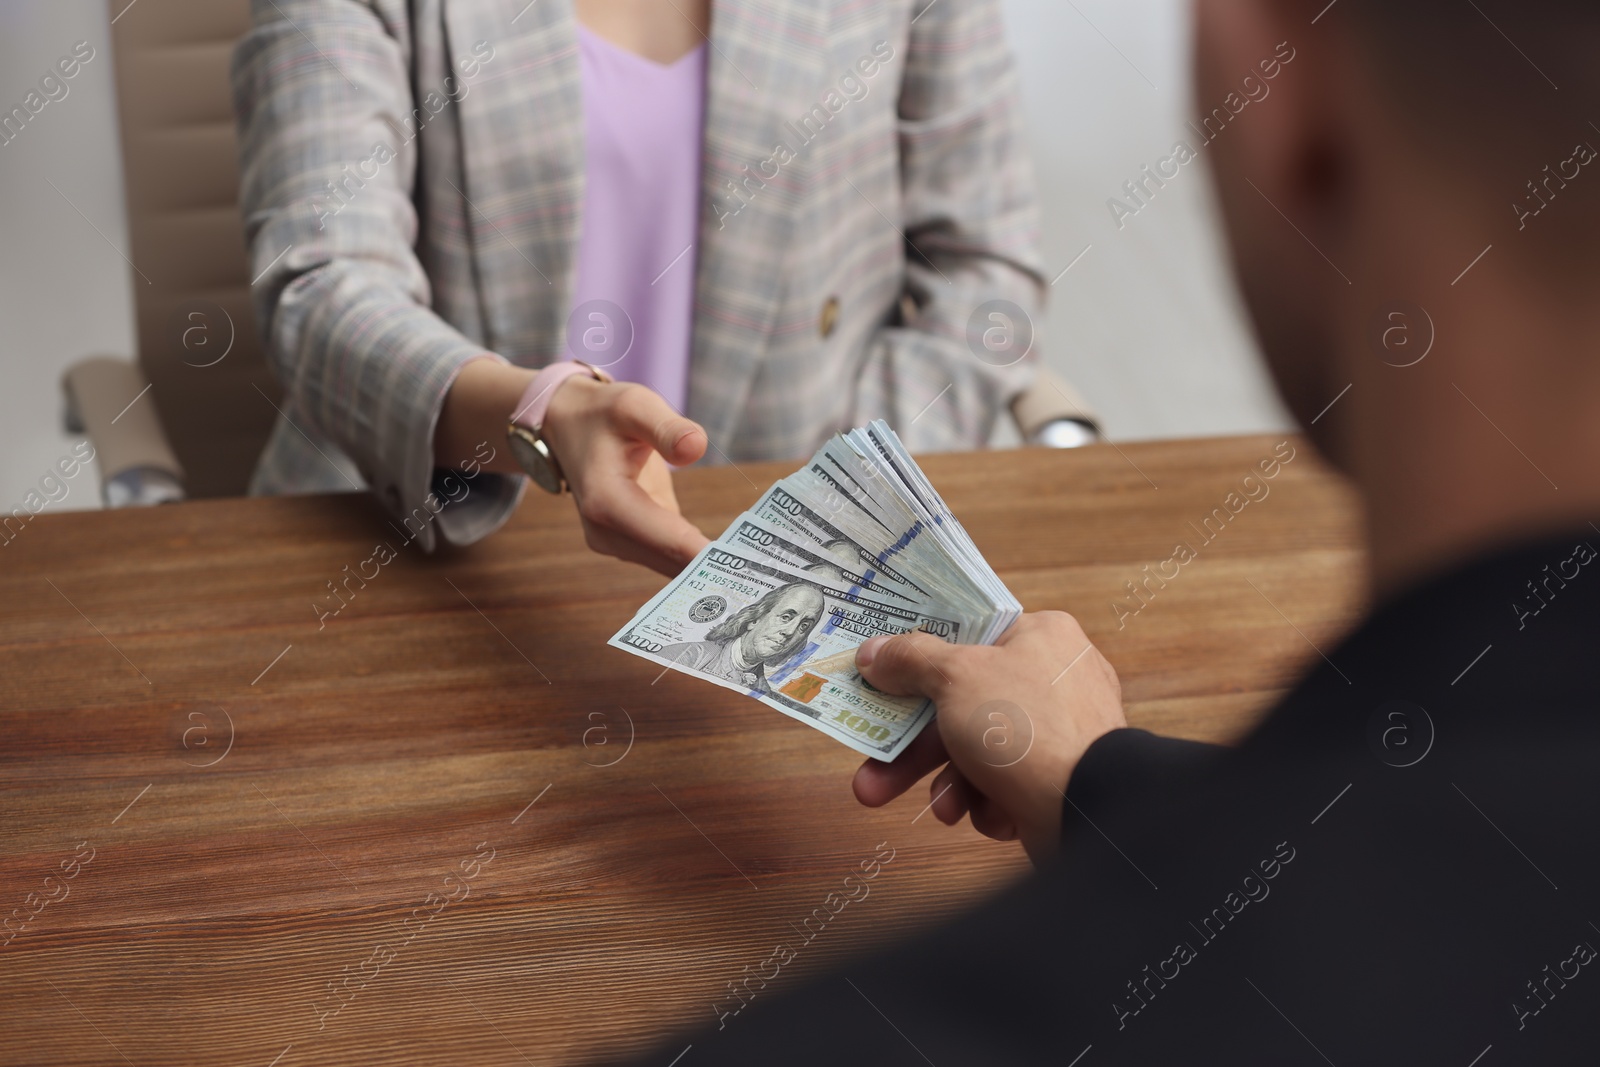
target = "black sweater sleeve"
x: 1130, y: 763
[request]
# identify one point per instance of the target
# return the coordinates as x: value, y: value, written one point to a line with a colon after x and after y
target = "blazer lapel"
x: 523, y: 176
x: 522, y: 148
x: 766, y: 66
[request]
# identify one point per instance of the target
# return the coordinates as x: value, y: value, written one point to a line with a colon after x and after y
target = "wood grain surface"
x: 449, y: 824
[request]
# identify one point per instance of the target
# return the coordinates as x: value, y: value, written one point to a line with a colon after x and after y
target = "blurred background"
x: 1143, y: 317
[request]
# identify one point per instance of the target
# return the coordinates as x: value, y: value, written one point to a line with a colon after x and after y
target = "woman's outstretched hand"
x: 614, y: 441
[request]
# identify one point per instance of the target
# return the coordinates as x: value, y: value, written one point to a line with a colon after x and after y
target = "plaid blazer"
x: 412, y: 185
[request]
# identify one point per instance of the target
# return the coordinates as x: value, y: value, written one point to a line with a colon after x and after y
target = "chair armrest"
x: 1050, y: 399
x: 106, y: 401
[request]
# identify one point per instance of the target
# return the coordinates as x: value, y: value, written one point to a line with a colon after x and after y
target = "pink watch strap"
x: 536, y: 398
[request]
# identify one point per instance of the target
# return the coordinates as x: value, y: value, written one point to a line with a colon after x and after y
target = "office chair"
x: 203, y: 422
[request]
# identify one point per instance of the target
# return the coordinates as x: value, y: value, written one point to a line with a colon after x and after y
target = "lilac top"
x: 641, y: 214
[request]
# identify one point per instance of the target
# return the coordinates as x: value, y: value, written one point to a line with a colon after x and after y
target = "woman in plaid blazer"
x: 413, y: 182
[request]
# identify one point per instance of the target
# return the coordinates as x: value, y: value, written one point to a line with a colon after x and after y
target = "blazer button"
x: 830, y: 316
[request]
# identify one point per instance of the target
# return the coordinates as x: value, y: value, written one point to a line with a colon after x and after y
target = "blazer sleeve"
x: 970, y: 218
x: 323, y: 97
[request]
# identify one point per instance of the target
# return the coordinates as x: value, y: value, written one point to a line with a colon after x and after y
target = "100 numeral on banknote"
x: 788, y: 638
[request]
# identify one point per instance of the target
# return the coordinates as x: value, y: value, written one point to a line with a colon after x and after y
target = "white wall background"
x: 1146, y: 323
x: 65, y: 292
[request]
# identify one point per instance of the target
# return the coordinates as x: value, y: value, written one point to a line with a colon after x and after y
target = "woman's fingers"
x: 642, y: 415
x: 623, y: 520
x: 656, y: 480
x: 625, y: 497
x: 614, y: 441
x: 607, y: 543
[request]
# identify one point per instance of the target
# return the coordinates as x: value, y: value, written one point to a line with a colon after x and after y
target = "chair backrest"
x: 198, y: 343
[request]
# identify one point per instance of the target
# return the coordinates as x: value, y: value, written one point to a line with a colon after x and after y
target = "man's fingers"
x: 909, y: 664
x: 1046, y: 636
x: 641, y: 414
x: 991, y: 820
x: 951, y: 795
x: 877, y: 783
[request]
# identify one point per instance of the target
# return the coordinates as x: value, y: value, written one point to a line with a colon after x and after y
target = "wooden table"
x: 451, y: 825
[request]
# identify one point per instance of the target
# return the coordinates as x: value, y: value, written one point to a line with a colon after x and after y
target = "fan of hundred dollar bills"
x: 856, y: 544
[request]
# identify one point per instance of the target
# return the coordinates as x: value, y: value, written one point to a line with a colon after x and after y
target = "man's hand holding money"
x: 1013, y: 720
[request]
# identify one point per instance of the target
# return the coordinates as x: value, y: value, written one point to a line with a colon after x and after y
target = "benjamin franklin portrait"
x: 746, y: 643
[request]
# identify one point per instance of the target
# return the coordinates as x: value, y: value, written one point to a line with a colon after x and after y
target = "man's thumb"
x: 903, y: 665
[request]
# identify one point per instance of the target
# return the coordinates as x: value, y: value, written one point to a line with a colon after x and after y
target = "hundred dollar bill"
x: 788, y: 513
x: 786, y: 637
x: 767, y: 539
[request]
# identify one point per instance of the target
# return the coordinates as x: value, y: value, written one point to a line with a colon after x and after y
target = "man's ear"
x: 1239, y: 39
x: 1276, y: 144
x: 1280, y: 171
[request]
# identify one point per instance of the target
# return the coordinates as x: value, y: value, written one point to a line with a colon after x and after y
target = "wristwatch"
x: 1065, y: 433
x: 528, y: 446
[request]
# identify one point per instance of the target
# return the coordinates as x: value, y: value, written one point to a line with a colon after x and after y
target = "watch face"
x: 533, y: 456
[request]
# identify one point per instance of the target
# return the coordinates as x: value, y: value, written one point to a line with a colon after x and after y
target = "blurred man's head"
x: 1413, y: 214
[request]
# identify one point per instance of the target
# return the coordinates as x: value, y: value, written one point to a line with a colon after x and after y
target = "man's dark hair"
x: 1485, y: 72
x: 1502, y: 97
